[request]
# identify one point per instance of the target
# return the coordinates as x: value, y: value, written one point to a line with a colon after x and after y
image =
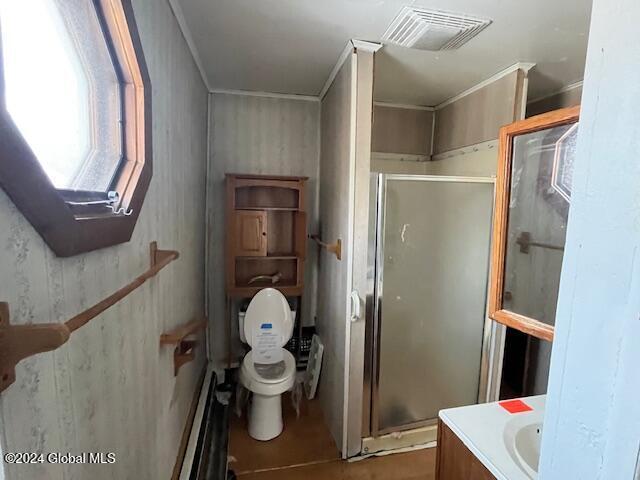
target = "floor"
x: 306, y: 450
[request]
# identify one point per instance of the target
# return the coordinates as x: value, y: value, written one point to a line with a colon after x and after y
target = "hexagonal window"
x: 72, y: 125
x: 563, y: 158
x: 75, y: 142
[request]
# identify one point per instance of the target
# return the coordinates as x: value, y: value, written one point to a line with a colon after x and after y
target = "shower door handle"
x: 356, y: 306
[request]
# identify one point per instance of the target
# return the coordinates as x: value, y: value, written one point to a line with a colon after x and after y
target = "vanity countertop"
x: 483, y: 430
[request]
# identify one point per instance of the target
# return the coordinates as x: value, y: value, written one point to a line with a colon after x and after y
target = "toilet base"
x: 265, y: 416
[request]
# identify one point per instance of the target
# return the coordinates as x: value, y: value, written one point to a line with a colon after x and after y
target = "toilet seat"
x: 256, y: 383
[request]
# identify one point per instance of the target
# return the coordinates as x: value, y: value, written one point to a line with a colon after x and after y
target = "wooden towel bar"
x: 18, y: 342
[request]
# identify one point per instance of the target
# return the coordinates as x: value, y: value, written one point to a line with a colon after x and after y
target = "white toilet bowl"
x: 265, y: 411
x: 269, y: 312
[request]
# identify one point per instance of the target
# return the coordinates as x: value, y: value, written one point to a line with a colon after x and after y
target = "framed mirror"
x: 533, y: 195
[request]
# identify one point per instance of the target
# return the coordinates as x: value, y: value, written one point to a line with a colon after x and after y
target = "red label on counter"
x: 515, y: 406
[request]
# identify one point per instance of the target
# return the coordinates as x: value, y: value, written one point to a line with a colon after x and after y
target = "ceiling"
x: 291, y: 46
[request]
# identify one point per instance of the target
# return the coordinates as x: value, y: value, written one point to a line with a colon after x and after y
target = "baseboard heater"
x: 206, y: 455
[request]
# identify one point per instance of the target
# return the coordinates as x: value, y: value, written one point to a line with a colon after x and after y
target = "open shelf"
x: 269, y: 196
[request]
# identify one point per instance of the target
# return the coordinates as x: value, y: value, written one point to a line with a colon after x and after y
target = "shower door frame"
x: 488, y: 360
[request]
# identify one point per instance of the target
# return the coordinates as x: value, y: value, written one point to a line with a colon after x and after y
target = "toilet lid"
x: 269, y: 311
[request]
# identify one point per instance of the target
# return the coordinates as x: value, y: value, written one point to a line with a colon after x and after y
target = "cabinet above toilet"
x: 266, y: 234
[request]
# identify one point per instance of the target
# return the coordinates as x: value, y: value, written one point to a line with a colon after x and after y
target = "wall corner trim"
x: 352, y: 46
x: 251, y: 93
x: 186, y: 33
x: 366, y: 46
x: 524, y: 66
x: 348, y: 50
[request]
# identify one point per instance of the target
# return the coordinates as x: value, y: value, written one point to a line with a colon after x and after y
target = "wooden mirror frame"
x: 511, y: 319
x: 26, y: 183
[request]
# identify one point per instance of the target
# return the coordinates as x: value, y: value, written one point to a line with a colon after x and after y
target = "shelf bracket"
x: 18, y: 342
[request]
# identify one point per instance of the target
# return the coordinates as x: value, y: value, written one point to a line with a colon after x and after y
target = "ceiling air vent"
x: 426, y: 29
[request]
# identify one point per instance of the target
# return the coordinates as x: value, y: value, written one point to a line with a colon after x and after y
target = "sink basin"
x: 527, y: 446
x: 522, y: 436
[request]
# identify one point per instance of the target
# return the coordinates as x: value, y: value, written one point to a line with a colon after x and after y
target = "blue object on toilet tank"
x: 266, y: 326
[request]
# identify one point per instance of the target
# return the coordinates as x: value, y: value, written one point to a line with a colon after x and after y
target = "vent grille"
x: 433, y: 29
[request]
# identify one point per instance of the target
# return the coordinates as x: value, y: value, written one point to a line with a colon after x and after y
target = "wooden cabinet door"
x: 251, y: 233
x: 454, y: 461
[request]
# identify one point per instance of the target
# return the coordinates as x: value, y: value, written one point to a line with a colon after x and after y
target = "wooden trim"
x: 26, y: 183
x: 523, y: 323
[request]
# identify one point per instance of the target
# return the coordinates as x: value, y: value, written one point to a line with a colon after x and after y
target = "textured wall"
x: 567, y: 98
x: 592, y: 419
x: 111, y: 387
x: 478, y: 116
x: 402, y: 130
x: 258, y: 135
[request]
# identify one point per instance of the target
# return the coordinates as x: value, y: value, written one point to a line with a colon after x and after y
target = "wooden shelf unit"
x: 266, y: 234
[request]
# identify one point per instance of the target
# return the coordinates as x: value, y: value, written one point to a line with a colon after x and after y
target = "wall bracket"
x: 185, y: 348
x: 18, y: 342
x: 335, y: 248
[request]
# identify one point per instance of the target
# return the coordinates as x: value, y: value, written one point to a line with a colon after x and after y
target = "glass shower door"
x: 433, y: 239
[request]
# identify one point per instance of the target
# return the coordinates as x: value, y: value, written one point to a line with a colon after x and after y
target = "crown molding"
x: 525, y: 67
x: 176, y: 9
x: 403, y: 105
x: 251, y: 93
x: 352, y: 46
x: 349, y: 49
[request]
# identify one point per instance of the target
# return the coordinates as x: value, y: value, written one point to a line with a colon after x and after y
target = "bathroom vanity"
x: 499, y: 440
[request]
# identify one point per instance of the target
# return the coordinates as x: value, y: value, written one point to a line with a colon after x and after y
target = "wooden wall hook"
x: 335, y: 248
x: 18, y: 342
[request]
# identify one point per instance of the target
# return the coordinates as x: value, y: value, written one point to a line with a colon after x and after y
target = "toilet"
x: 266, y: 327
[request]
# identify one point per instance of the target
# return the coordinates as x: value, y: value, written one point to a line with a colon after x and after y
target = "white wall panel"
x: 334, y: 282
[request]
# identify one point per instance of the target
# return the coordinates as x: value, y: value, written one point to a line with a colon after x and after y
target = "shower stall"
x: 427, y: 338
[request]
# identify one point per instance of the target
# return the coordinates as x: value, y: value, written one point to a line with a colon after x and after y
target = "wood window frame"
x: 24, y: 180
x: 497, y: 312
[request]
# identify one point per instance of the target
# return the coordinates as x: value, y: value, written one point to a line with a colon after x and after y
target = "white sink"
x: 522, y: 437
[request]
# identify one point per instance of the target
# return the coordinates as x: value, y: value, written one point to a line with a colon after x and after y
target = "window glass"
x: 540, y: 197
x: 62, y: 90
